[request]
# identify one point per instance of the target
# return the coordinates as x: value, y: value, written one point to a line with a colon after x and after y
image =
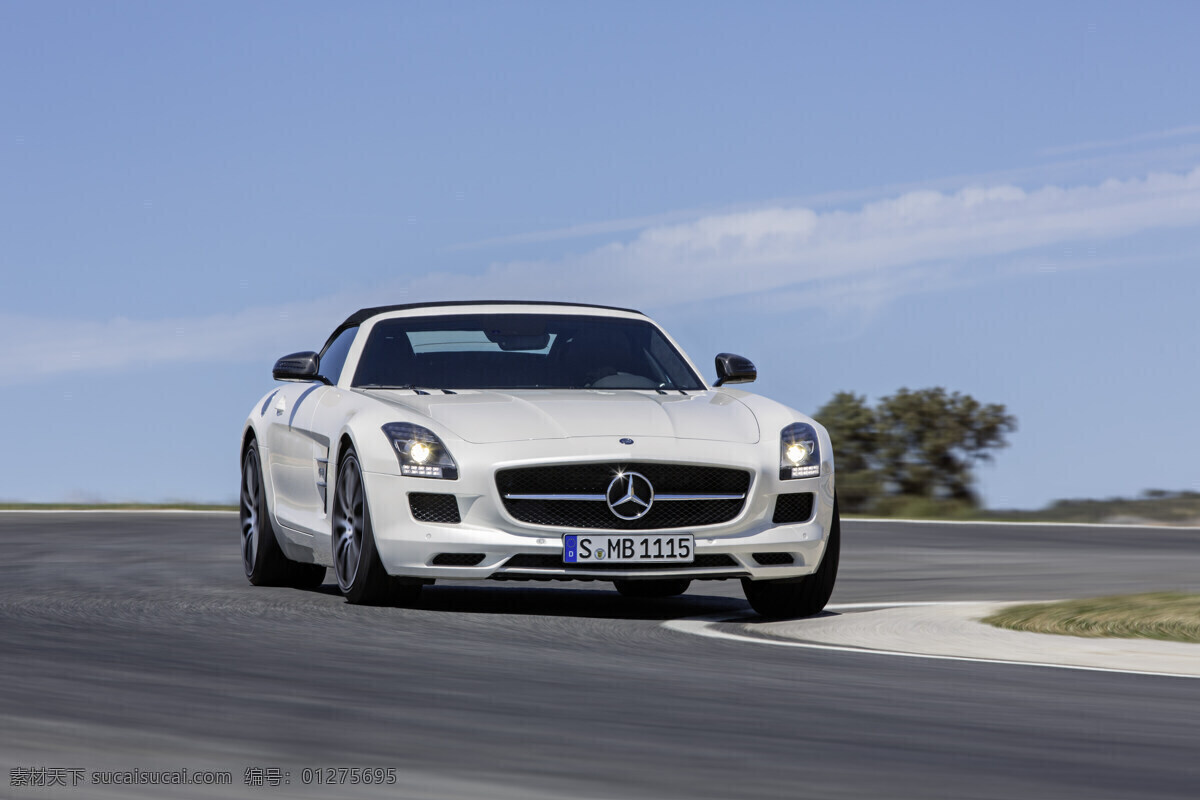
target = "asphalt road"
x: 132, y: 641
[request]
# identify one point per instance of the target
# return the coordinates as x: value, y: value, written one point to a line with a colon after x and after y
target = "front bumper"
x: 407, y: 547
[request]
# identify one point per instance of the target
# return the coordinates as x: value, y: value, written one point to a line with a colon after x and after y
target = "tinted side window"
x: 333, y: 357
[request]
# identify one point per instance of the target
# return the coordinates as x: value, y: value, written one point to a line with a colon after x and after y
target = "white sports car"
x: 531, y: 441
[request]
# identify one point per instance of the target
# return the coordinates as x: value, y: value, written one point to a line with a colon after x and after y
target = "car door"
x: 313, y: 417
x: 290, y: 452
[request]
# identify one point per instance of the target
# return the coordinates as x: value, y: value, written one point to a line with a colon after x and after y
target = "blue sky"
x: 1003, y: 200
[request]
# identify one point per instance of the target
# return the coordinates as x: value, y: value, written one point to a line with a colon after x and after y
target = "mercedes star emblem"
x: 630, y: 495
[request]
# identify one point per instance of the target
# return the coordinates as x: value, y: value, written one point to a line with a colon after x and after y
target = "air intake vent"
x: 774, y: 559
x: 434, y: 508
x: 456, y: 559
x: 793, y: 507
x: 541, y: 561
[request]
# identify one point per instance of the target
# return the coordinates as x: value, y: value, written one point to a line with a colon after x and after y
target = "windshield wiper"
x: 408, y: 386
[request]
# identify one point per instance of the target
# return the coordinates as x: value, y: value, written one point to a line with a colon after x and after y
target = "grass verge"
x: 1168, y: 616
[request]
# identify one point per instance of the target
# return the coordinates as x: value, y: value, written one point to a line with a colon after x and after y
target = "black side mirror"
x: 296, y: 367
x: 734, y: 369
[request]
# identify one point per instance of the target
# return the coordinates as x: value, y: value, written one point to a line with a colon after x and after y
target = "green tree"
x: 852, y: 429
x: 929, y: 440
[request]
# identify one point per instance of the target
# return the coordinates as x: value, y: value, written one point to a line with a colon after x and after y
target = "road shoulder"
x: 954, y: 631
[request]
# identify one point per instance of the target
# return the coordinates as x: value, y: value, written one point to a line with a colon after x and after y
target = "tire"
x: 791, y: 599
x: 661, y: 587
x: 262, y: 558
x: 360, y: 574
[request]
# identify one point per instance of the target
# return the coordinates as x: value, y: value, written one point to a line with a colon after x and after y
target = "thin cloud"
x: 781, y: 248
x: 1109, y: 144
x: 578, y: 231
x: 41, y: 348
x: 1170, y: 158
x: 857, y: 260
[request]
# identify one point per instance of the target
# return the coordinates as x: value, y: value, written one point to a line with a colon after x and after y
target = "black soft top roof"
x: 364, y: 314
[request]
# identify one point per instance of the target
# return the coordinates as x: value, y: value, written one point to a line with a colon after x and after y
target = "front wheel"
x: 360, y: 574
x: 790, y: 599
x: 262, y: 558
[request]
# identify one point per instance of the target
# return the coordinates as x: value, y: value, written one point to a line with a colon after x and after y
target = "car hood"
x: 495, y: 416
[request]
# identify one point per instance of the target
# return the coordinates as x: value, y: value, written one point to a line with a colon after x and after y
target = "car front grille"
x: 572, y: 495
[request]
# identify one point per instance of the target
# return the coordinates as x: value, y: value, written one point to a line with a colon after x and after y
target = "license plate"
x: 593, y: 549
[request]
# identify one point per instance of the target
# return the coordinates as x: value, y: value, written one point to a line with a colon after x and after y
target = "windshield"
x: 521, y: 351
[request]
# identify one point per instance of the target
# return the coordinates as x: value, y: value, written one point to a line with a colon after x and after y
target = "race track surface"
x: 133, y: 641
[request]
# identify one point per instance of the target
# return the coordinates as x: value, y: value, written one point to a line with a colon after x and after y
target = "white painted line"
x: 1161, y: 527
x: 921, y: 604
x: 706, y: 626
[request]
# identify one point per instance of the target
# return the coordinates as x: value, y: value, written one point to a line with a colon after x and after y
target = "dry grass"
x: 1171, y: 616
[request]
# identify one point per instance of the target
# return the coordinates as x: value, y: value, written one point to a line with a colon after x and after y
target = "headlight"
x: 799, y: 452
x: 420, y: 451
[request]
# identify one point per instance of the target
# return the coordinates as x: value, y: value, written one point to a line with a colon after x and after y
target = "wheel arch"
x: 343, y: 443
x: 249, y: 436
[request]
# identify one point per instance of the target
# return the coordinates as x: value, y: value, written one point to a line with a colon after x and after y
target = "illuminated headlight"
x: 420, y: 451
x: 799, y: 452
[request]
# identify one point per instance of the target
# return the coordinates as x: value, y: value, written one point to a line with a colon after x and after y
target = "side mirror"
x: 296, y: 367
x: 734, y: 369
